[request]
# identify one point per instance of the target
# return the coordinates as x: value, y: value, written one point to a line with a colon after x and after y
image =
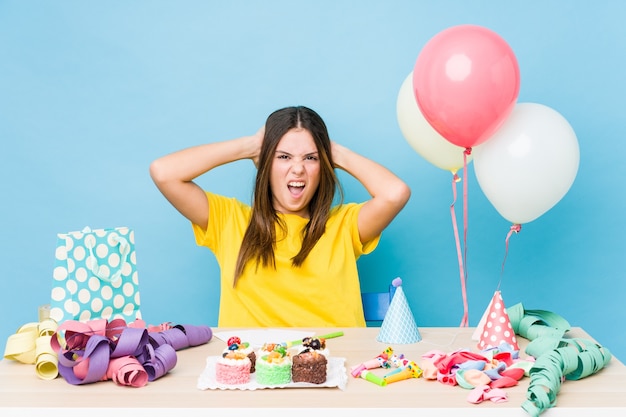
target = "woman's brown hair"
x: 259, y: 241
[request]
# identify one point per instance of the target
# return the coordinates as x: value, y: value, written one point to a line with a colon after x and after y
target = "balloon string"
x: 464, y: 321
x: 467, y: 152
x: 514, y: 229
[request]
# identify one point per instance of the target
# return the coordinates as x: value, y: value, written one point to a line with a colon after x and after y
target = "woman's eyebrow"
x: 306, y: 154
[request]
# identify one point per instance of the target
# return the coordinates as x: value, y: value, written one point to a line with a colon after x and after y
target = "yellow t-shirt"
x: 323, y: 292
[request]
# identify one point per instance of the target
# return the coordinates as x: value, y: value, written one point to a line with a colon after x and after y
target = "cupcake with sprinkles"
x: 317, y: 344
x: 311, y: 363
x: 273, y: 365
x: 236, y: 345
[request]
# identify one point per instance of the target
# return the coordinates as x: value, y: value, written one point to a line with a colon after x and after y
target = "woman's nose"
x: 297, y: 167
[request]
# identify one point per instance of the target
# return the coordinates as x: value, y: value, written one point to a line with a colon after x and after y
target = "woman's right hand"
x: 258, y: 141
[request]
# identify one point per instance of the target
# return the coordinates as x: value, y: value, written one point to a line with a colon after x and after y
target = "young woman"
x: 289, y: 259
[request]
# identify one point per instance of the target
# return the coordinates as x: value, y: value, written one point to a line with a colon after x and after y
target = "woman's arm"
x: 173, y: 174
x: 389, y: 193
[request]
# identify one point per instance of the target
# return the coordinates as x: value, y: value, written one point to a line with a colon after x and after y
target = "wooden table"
x: 23, y: 393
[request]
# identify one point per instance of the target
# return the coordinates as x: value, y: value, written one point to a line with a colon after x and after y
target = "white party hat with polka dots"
x: 495, y: 328
x: 399, y: 324
x: 479, y: 328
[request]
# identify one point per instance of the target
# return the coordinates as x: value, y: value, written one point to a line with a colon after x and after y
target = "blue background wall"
x: 91, y: 92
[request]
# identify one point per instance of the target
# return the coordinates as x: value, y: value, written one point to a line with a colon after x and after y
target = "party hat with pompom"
x: 495, y: 327
x: 399, y: 324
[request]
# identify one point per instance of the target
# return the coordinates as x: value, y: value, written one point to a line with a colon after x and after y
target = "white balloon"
x: 422, y: 137
x: 529, y: 164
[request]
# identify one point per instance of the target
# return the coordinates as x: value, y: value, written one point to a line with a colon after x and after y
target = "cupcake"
x: 311, y: 363
x: 234, y: 344
x: 233, y: 368
x: 273, y: 365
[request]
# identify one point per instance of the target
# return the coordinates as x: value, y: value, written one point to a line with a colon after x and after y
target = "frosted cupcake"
x: 236, y: 345
x: 233, y: 368
x: 310, y: 364
x: 273, y: 365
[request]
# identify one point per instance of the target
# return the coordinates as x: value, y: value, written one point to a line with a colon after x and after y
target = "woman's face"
x: 295, y: 173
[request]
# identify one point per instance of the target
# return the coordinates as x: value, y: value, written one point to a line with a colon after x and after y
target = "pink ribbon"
x: 127, y: 371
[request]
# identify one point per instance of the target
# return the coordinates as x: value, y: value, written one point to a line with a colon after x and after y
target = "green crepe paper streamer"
x: 572, y: 360
x: 550, y: 319
x: 545, y: 384
x: 592, y: 358
x: 557, y: 358
x: 531, y: 324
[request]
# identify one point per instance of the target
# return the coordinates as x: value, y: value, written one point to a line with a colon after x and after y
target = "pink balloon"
x: 466, y: 81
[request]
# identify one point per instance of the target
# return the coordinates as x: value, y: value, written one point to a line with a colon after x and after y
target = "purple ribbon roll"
x: 163, y: 361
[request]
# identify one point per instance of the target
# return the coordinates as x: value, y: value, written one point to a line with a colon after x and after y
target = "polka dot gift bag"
x: 95, y: 276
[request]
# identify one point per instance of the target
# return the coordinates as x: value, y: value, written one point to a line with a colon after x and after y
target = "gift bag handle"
x: 124, y: 251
